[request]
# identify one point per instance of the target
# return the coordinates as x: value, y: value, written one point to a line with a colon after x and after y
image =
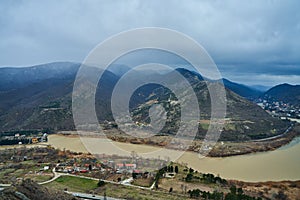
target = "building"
x: 126, y: 166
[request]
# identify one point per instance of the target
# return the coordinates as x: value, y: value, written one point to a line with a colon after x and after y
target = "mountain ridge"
x: 285, y: 92
x: 46, y: 103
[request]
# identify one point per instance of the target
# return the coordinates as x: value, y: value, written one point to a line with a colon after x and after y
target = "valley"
x: 36, y: 116
x: 233, y: 167
x: 66, y: 173
x: 149, y: 100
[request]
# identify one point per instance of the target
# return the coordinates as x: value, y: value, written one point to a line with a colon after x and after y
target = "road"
x: 5, y: 185
x: 91, y: 196
x: 276, y: 136
x: 125, y: 182
x: 56, y: 175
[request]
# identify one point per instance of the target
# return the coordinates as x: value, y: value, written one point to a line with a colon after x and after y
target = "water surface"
x: 278, y: 165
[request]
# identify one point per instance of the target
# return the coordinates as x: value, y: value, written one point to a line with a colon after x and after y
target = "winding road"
x: 125, y: 182
x: 276, y: 136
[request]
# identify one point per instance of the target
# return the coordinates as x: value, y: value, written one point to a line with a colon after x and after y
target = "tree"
x: 281, y: 195
x: 134, y: 175
x: 231, y: 196
x: 176, y: 169
x: 195, y: 193
x: 216, y: 195
x: 240, y: 191
x: 189, y: 177
x: 237, y: 194
x: 233, y: 189
x: 205, y: 195
x: 191, y: 170
x: 165, y: 169
x: 101, y: 183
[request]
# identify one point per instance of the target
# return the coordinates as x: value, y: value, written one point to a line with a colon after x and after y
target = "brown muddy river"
x: 281, y: 164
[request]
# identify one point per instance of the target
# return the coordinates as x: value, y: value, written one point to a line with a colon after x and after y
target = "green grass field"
x: 74, y: 184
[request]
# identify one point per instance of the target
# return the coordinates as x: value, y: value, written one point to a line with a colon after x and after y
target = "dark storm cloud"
x: 257, y: 37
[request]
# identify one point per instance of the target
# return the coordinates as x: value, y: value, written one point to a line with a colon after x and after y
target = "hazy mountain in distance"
x: 261, y: 88
x: 118, y: 69
x: 189, y: 74
x: 285, y: 92
x: 121, y: 69
x: 18, y: 77
x: 242, y: 90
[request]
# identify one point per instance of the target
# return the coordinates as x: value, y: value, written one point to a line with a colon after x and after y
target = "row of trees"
x: 206, y: 195
x: 206, y: 178
x: 234, y: 194
x: 160, y: 173
x: 238, y: 194
x: 15, y: 141
x: 172, y: 169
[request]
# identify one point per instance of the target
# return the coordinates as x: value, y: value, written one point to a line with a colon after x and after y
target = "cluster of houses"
x: 112, y: 167
x: 22, y: 139
x: 280, y: 109
x: 78, y: 166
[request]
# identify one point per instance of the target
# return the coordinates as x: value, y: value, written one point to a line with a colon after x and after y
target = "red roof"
x: 126, y: 165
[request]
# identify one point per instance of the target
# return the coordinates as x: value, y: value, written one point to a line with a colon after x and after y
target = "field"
x: 75, y: 184
x: 31, y: 171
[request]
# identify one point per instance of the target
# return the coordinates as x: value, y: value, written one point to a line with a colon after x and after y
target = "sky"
x: 255, y: 43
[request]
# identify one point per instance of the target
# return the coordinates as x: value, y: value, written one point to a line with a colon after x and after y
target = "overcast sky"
x: 252, y: 43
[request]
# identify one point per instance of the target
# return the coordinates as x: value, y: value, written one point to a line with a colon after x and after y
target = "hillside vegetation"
x: 40, y: 97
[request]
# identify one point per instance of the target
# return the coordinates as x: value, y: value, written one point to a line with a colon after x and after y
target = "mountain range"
x: 285, y: 93
x: 40, y: 97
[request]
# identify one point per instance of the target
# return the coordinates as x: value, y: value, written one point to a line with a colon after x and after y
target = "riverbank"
x: 271, y: 189
x: 253, y: 161
x: 278, y: 165
x: 221, y: 149
x: 248, y: 147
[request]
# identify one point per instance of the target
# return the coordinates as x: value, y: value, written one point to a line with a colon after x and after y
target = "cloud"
x: 257, y: 37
